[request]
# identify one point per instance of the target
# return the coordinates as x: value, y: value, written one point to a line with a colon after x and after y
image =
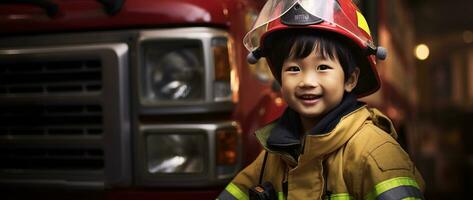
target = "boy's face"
x: 312, y: 86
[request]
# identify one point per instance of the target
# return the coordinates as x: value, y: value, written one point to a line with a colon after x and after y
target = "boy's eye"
x: 293, y: 69
x: 323, y: 67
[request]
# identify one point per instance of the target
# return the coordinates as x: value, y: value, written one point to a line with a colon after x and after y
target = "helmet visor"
x: 347, y: 18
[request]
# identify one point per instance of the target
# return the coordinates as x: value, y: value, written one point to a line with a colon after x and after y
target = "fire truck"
x: 132, y: 99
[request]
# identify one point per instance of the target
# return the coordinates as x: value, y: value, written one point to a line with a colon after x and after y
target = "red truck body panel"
x: 83, y: 15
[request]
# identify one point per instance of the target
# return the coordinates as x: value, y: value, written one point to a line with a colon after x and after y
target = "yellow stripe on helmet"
x: 362, y: 22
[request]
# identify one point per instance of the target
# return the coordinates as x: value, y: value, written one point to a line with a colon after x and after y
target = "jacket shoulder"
x: 373, y: 156
x: 367, y: 139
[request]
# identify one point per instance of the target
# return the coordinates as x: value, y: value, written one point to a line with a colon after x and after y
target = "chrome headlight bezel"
x: 211, y: 175
x: 206, y: 39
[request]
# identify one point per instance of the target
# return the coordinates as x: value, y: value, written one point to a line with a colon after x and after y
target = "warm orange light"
x: 235, y: 84
x: 227, y: 146
x: 234, y: 77
x: 224, y: 67
x: 278, y: 101
x: 422, y: 51
x: 221, y: 63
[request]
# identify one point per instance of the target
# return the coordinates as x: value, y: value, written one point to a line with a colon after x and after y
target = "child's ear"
x: 351, y: 82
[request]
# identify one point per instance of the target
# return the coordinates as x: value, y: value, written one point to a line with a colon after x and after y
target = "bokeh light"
x: 422, y: 51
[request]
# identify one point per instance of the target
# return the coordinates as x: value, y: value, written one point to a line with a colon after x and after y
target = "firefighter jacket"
x: 358, y: 159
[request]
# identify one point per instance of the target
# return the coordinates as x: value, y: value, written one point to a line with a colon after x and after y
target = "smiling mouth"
x: 309, y: 98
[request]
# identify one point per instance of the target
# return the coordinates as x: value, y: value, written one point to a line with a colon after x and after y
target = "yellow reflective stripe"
x: 390, y: 184
x: 281, y: 196
x: 362, y: 22
x: 236, y: 192
x: 341, y: 196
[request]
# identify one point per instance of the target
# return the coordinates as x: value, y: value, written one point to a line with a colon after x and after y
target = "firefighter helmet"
x: 335, y: 16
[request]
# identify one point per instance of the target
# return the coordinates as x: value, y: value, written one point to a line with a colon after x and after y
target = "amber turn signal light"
x: 227, y: 146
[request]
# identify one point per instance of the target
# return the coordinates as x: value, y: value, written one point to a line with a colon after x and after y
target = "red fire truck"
x: 132, y: 99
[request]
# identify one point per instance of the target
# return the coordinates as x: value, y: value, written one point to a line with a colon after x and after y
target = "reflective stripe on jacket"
x: 362, y: 157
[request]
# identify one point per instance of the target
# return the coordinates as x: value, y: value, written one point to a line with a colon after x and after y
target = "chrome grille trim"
x: 62, y: 115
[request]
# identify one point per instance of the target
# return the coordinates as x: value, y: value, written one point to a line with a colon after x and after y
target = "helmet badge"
x: 297, y: 15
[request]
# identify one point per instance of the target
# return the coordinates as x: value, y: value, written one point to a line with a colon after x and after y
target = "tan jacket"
x: 362, y: 157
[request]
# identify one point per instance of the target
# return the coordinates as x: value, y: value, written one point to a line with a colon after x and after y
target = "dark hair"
x: 299, y: 43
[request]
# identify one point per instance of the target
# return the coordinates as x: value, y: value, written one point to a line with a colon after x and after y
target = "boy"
x: 326, y: 144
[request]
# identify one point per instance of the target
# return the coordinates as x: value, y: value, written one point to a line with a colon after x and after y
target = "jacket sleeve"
x: 248, y: 177
x: 389, y: 174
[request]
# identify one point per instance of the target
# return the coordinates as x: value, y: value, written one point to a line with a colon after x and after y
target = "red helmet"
x: 335, y: 16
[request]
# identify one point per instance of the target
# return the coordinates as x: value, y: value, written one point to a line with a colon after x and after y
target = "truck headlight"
x: 173, y: 71
x: 192, y: 154
x: 176, y: 153
x: 191, y: 67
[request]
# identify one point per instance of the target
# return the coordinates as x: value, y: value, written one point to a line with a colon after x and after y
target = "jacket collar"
x: 287, y: 131
x: 319, y: 145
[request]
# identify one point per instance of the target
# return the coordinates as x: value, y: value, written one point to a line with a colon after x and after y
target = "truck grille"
x: 31, y: 120
x: 50, y: 77
x: 50, y: 159
x: 48, y: 136
x: 64, y: 112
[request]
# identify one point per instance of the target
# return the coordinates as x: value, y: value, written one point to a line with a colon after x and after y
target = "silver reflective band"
x: 401, y: 192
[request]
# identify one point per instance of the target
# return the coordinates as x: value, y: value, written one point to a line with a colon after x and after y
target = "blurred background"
x: 145, y: 99
x: 428, y: 86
